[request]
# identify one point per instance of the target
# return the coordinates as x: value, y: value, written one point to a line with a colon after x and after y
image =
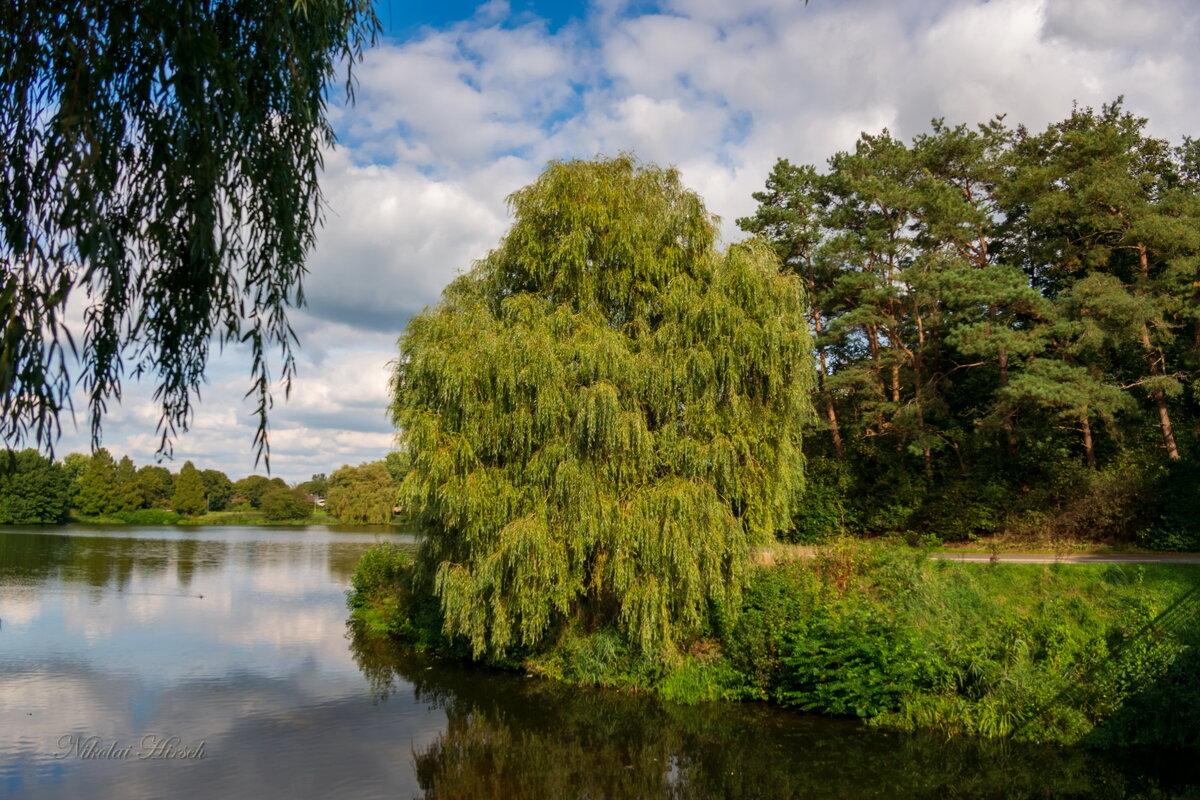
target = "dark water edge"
x: 237, y: 638
x: 512, y: 736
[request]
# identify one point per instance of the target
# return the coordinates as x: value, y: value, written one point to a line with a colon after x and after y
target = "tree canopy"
x: 35, y: 490
x: 189, y: 496
x: 160, y: 174
x: 99, y: 490
x: 998, y: 313
x: 279, y: 503
x: 603, y: 414
x: 365, y: 494
x: 252, y: 487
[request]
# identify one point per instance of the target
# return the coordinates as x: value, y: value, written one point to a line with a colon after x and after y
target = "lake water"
x: 216, y: 662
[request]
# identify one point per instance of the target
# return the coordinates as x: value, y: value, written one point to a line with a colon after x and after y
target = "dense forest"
x: 1007, y: 330
x: 35, y: 489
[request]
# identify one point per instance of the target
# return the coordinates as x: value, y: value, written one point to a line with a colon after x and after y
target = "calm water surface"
x: 232, y: 644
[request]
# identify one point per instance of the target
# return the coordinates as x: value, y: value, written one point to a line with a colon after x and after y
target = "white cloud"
x: 1119, y: 25
x: 392, y: 239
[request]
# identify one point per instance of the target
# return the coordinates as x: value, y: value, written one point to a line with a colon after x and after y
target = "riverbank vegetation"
x: 515, y: 738
x: 98, y: 489
x: 1100, y: 654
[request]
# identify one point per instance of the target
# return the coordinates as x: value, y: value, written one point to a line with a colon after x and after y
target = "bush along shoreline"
x: 1102, y: 655
x: 151, y: 517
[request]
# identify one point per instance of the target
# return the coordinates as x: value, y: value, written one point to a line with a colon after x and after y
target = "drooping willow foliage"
x: 603, y: 414
x: 159, y: 170
x: 363, y: 495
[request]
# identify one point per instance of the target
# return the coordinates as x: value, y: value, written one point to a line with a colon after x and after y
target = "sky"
x: 461, y: 103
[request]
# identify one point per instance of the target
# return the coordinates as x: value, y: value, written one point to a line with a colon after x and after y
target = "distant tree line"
x: 1007, y: 329
x: 37, y: 490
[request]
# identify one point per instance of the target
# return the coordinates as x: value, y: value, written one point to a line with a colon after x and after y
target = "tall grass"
x: 1031, y: 652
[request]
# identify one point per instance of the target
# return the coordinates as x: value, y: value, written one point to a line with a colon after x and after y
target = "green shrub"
x: 1064, y: 653
x: 822, y: 512
x: 964, y: 510
x: 1014, y: 651
x: 280, y: 503
x: 600, y: 658
x: 850, y: 658
x: 382, y: 599
x: 1164, y: 712
x: 776, y: 603
x: 1175, y: 508
x: 381, y: 569
x: 148, y: 516
x: 605, y: 658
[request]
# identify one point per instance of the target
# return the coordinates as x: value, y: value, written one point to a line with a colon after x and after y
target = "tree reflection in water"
x: 515, y: 737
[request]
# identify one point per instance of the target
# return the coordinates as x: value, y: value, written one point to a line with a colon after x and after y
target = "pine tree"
x: 790, y: 219
x: 128, y: 493
x: 1104, y: 203
x: 188, y: 497
x: 603, y: 415
x: 98, y: 485
x: 993, y: 299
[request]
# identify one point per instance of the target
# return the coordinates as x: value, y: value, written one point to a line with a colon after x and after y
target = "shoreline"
x: 1085, y: 651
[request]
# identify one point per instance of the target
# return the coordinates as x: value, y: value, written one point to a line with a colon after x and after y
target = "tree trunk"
x: 1089, y: 448
x: 919, y: 399
x: 962, y: 465
x: 1154, y: 361
x: 1010, y: 438
x: 833, y: 426
x: 873, y: 345
x: 830, y: 412
x: 918, y: 368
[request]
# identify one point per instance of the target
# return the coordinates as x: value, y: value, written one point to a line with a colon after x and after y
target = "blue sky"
x: 463, y: 103
x: 405, y: 19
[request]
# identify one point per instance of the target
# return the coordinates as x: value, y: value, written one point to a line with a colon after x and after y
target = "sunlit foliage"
x: 365, y: 494
x: 1007, y: 328
x: 189, y: 496
x: 603, y: 414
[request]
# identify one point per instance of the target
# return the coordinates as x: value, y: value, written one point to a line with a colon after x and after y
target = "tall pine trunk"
x: 1010, y: 437
x: 1154, y: 361
x: 1089, y: 447
x: 830, y: 411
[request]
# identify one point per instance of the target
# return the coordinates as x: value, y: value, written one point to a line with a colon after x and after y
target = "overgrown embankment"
x: 244, y: 517
x: 1102, y: 654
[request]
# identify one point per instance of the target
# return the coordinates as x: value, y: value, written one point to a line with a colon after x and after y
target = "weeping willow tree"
x: 603, y: 415
x: 159, y: 175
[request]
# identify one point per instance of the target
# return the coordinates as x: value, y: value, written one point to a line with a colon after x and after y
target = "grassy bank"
x: 1101, y: 654
x: 155, y: 516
